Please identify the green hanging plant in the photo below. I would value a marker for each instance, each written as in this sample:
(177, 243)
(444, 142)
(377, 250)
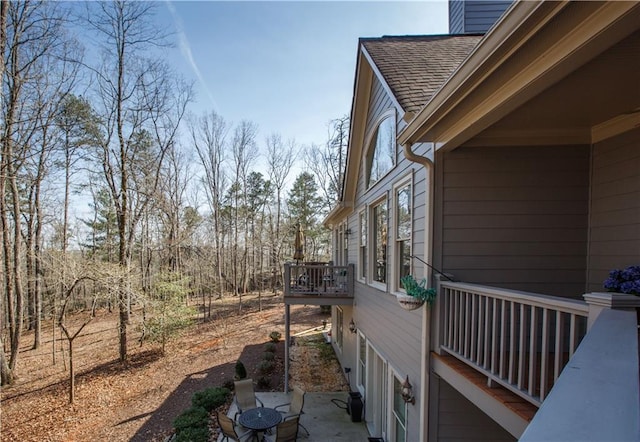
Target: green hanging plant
(417, 289)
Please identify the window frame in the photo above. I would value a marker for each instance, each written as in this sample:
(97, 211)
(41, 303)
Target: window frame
(339, 338)
(372, 254)
(393, 413)
(363, 246)
(371, 144)
(396, 273)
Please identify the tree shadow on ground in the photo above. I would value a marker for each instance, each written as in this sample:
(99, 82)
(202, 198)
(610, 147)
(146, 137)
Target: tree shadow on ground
(161, 420)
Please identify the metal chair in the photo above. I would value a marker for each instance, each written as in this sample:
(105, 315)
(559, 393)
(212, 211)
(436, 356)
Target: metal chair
(286, 431)
(245, 396)
(295, 406)
(229, 429)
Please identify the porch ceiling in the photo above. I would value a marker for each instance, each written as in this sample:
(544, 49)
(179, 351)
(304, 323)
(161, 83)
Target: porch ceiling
(567, 112)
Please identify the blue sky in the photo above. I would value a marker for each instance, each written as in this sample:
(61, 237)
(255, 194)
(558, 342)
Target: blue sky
(287, 66)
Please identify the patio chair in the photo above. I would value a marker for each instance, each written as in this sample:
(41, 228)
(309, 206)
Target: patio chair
(286, 431)
(295, 406)
(229, 429)
(245, 396)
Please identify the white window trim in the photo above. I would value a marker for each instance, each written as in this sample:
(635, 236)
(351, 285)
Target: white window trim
(383, 286)
(394, 280)
(363, 211)
(391, 433)
(360, 385)
(339, 338)
(373, 130)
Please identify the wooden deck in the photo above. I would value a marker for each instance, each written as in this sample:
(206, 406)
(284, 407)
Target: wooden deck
(512, 401)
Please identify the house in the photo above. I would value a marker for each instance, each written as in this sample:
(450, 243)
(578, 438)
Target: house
(504, 169)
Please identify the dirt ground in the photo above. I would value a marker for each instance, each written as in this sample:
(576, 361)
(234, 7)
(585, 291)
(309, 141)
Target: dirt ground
(139, 400)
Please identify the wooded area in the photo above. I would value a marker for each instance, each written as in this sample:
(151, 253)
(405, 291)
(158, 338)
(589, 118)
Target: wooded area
(177, 207)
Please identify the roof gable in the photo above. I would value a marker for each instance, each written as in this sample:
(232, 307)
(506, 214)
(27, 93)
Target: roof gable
(415, 67)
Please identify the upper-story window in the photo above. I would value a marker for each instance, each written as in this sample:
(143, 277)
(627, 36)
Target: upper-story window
(379, 246)
(382, 150)
(362, 245)
(403, 206)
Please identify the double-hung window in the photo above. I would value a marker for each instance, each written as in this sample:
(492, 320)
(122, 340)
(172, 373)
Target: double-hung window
(403, 214)
(362, 225)
(379, 244)
(399, 412)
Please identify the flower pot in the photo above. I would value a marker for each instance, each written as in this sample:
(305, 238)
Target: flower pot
(409, 302)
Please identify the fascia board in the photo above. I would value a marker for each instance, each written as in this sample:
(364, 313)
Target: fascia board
(513, 30)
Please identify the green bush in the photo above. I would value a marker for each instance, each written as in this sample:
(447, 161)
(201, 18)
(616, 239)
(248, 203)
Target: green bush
(210, 398)
(264, 382)
(194, 417)
(268, 356)
(241, 372)
(270, 347)
(266, 367)
(275, 336)
(193, 434)
(228, 384)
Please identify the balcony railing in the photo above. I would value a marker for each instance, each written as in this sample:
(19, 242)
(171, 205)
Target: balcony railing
(317, 283)
(520, 340)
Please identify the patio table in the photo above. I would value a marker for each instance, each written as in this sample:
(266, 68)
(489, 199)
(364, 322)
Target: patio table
(260, 419)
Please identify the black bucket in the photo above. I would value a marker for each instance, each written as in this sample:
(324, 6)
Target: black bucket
(355, 406)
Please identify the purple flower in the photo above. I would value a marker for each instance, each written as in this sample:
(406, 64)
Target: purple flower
(624, 281)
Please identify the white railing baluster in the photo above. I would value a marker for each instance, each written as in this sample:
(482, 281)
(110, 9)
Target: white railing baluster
(572, 336)
(544, 354)
(487, 332)
(456, 330)
(521, 346)
(494, 337)
(474, 335)
(533, 351)
(512, 341)
(558, 360)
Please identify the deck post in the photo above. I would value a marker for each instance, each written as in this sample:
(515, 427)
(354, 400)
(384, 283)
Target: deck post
(287, 339)
(599, 301)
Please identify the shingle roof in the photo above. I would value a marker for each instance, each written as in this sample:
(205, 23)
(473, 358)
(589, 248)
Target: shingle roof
(415, 67)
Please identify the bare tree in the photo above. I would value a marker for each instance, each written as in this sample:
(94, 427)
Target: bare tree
(280, 157)
(328, 162)
(209, 137)
(142, 105)
(32, 41)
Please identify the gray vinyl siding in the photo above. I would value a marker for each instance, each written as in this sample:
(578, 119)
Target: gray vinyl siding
(515, 217)
(396, 334)
(460, 420)
(473, 17)
(614, 231)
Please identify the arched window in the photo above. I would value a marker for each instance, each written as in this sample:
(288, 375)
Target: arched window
(382, 151)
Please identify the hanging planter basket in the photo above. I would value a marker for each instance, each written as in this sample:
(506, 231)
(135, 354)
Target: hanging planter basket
(417, 293)
(409, 302)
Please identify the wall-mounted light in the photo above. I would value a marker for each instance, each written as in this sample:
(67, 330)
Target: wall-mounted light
(347, 232)
(352, 326)
(407, 392)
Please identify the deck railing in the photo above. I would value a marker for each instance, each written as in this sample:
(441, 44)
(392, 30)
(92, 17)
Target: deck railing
(519, 340)
(320, 279)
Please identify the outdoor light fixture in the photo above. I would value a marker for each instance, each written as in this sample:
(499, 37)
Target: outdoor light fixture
(352, 326)
(407, 392)
(347, 232)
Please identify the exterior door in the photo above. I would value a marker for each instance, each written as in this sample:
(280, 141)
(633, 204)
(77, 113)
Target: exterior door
(377, 394)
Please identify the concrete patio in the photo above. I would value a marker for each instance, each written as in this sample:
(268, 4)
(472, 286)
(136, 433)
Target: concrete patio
(325, 420)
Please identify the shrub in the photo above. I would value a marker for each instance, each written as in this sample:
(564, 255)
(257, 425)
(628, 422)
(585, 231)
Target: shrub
(228, 384)
(266, 367)
(270, 347)
(275, 336)
(268, 356)
(194, 417)
(241, 372)
(264, 382)
(193, 434)
(210, 398)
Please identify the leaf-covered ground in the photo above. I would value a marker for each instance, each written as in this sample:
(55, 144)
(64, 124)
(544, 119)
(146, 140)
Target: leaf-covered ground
(139, 400)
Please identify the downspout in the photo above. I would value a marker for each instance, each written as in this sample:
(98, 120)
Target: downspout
(428, 255)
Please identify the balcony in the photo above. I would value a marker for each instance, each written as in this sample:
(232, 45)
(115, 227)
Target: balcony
(318, 283)
(508, 352)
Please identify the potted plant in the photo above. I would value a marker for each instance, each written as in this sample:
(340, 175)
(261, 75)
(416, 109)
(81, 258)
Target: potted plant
(624, 281)
(417, 293)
